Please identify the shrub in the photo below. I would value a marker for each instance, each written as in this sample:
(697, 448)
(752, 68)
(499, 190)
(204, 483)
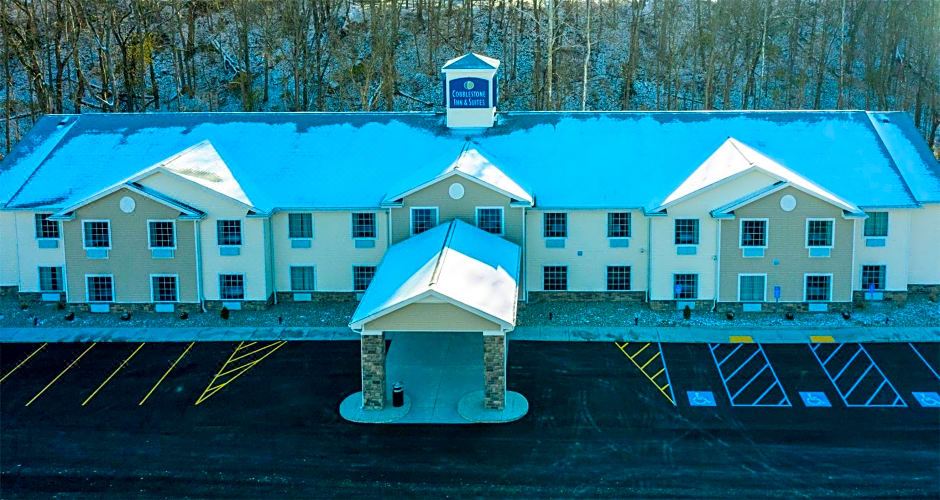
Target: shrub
(60, 306)
(846, 315)
(184, 315)
(686, 312)
(70, 316)
(729, 315)
(24, 306)
(224, 313)
(125, 316)
(789, 315)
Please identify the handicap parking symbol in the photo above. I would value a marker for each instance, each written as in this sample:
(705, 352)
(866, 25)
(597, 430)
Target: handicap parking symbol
(815, 399)
(701, 398)
(927, 399)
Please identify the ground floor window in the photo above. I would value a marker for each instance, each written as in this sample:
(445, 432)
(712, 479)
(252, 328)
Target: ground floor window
(99, 288)
(873, 277)
(232, 286)
(164, 288)
(50, 279)
(818, 287)
(752, 287)
(618, 278)
(362, 276)
(555, 278)
(684, 286)
(301, 278)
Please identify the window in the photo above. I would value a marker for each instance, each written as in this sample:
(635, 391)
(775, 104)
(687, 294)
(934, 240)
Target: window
(819, 233)
(555, 278)
(618, 225)
(686, 231)
(753, 233)
(301, 278)
(46, 228)
(99, 288)
(618, 278)
(363, 225)
(555, 225)
(873, 276)
(232, 286)
(362, 276)
(490, 219)
(163, 288)
(818, 287)
(229, 232)
(423, 219)
(300, 225)
(50, 279)
(685, 286)
(876, 224)
(97, 233)
(752, 287)
(162, 234)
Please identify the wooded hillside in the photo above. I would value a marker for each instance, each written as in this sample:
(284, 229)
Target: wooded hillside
(341, 55)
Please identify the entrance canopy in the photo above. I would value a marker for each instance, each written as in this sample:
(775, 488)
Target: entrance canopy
(455, 277)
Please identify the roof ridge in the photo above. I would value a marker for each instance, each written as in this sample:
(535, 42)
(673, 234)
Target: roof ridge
(443, 253)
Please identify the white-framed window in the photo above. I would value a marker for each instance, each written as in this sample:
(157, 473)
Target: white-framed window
(817, 287)
(96, 233)
(363, 225)
(555, 278)
(752, 287)
(819, 233)
(874, 276)
(164, 288)
(362, 277)
(232, 286)
(302, 279)
(619, 225)
(50, 279)
(161, 233)
(753, 233)
(45, 228)
(422, 219)
(228, 232)
(684, 286)
(555, 225)
(490, 219)
(686, 232)
(618, 278)
(99, 288)
(300, 226)
(876, 225)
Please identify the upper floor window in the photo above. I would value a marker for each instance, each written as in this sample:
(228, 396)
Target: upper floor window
(99, 288)
(50, 279)
(618, 278)
(46, 228)
(300, 225)
(163, 288)
(490, 219)
(686, 232)
(819, 232)
(301, 278)
(162, 234)
(229, 232)
(618, 225)
(684, 286)
(876, 224)
(362, 277)
(753, 233)
(96, 233)
(873, 277)
(363, 225)
(555, 278)
(555, 225)
(422, 219)
(232, 286)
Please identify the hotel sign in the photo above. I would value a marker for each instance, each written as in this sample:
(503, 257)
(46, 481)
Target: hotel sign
(469, 93)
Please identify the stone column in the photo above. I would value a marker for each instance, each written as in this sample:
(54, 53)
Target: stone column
(373, 369)
(494, 370)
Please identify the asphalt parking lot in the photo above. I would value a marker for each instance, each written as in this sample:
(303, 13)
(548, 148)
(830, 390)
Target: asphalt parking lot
(248, 419)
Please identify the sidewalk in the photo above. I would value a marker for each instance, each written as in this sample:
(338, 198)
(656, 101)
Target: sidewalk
(780, 335)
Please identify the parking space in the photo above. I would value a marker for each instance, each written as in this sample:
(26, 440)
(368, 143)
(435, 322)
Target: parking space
(856, 377)
(747, 375)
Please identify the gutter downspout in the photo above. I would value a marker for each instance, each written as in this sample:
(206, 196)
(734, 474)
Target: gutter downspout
(388, 224)
(524, 264)
(852, 272)
(649, 258)
(199, 292)
(272, 275)
(717, 266)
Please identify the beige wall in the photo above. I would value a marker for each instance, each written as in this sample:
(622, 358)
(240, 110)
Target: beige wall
(787, 243)
(431, 318)
(129, 259)
(924, 260)
(894, 255)
(475, 195)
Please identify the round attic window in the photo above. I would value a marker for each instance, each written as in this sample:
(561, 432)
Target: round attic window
(127, 204)
(787, 203)
(455, 190)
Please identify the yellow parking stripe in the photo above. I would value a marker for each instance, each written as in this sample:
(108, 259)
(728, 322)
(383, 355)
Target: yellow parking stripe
(638, 352)
(821, 339)
(90, 396)
(212, 388)
(739, 339)
(652, 379)
(650, 361)
(57, 377)
(21, 363)
(190, 346)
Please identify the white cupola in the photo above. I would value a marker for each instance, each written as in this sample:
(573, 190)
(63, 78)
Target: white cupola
(470, 91)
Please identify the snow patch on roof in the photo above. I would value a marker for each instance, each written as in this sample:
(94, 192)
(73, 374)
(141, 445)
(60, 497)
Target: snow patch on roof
(472, 60)
(913, 158)
(203, 165)
(29, 153)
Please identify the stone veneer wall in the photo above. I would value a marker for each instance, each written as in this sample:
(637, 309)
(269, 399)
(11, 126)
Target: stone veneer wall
(670, 305)
(494, 372)
(373, 371)
(895, 297)
(781, 307)
(633, 296)
(320, 296)
(118, 308)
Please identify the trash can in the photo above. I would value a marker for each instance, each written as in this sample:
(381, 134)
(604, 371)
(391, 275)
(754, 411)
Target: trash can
(398, 395)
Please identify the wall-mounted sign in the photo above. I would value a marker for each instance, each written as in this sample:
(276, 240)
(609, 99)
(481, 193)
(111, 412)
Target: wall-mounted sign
(469, 93)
